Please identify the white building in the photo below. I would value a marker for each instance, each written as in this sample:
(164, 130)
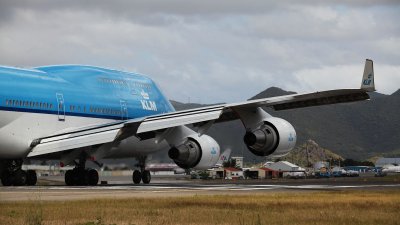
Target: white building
(385, 161)
(239, 161)
(284, 166)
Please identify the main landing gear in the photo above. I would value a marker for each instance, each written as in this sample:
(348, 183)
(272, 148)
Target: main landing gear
(80, 175)
(12, 174)
(142, 174)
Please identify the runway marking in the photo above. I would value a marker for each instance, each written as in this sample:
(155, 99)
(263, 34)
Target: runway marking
(197, 187)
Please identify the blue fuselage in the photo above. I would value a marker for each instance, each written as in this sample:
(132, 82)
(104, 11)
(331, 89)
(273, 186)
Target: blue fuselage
(82, 91)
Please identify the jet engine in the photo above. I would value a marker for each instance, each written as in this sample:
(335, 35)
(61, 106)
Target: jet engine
(274, 136)
(196, 152)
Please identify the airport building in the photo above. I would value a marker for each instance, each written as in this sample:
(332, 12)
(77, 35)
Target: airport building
(227, 173)
(262, 173)
(284, 166)
(239, 161)
(386, 161)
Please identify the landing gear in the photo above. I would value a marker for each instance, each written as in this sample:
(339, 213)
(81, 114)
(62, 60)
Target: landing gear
(19, 178)
(12, 174)
(146, 177)
(31, 178)
(136, 177)
(142, 175)
(80, 175)
(6, 179)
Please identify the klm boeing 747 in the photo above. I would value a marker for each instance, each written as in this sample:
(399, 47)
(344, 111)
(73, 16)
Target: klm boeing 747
(75, 113)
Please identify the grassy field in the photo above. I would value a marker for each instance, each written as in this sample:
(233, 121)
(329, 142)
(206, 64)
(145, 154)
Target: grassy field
(344, 207)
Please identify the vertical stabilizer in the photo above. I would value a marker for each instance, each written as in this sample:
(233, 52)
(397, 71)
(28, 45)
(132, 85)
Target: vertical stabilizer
(368, 82)
(224, 157)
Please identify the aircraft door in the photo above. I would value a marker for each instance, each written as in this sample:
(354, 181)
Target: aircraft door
(124, 110)
(60, 107)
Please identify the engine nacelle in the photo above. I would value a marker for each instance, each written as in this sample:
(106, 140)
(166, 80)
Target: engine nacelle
(275, 136)
(196, 152)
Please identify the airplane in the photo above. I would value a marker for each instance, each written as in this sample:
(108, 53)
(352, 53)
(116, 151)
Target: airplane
(76, 113)
(156, 167)
(224, 157)
(391, 169)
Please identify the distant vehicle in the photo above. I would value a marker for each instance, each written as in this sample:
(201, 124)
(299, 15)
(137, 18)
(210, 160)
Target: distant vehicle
(380, 173)
(352, 173)
(295, 175)
(337, 174)
(322, 174)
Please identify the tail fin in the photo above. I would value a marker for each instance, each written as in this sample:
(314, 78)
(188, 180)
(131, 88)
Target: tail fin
(368, 83)
(224, 157)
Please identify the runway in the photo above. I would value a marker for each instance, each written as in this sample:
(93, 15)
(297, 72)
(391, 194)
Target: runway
(171, 188)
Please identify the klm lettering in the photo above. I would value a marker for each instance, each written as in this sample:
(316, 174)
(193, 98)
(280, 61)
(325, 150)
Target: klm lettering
(149, 105)
(368, 81)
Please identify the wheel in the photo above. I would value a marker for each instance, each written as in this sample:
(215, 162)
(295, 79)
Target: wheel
(69, 180)
(20, 178)
(31, 178)
(80, 176)
(136, 176)
(6, 179)
(92, 177)
(146, 177)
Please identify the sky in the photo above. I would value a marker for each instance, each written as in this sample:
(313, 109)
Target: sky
(211, 51)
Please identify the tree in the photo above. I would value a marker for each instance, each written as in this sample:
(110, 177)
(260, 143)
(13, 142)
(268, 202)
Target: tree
(352, 162)
(230, 163)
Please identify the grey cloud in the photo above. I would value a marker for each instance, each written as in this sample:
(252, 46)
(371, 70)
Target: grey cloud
(209, 52)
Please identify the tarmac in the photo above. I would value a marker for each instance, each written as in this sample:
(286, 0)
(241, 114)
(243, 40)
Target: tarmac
(120, 187)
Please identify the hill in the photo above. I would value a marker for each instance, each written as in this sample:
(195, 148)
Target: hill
(309, 153)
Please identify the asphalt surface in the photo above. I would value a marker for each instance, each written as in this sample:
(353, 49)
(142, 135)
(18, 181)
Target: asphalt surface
(53, 188)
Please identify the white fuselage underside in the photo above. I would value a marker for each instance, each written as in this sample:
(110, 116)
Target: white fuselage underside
(19, 129)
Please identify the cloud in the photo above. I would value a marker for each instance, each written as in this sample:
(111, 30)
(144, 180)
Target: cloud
(347, 76)
(210, 51)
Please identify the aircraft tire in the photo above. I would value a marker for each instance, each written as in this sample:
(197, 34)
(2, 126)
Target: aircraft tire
(6, 179)
(92, 177)
(20, 178)
(69, 180)
(80, 176)
(31, 178)
(136, 177)
(146, 177)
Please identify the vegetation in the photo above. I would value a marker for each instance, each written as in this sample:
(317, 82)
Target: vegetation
(352, 162)
(341, 207)
(308, 153)
(231, 163)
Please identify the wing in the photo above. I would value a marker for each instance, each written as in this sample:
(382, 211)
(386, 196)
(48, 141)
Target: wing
(202, 118)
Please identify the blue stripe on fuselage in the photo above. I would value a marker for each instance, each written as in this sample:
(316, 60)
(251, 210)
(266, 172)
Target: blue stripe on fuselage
(86, 91)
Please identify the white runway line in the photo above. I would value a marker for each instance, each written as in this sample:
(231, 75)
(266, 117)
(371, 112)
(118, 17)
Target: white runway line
(196, 187)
